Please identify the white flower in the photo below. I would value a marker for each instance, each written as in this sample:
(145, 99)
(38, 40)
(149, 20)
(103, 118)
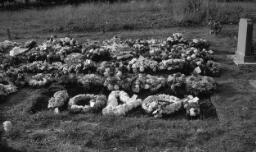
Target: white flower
(128, 103)
(7, 125)
(195, 41)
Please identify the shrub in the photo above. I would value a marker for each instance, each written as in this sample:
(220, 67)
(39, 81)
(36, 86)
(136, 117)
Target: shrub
(189, 11)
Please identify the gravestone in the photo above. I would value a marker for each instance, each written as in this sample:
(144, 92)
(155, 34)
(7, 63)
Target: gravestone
(245, 53)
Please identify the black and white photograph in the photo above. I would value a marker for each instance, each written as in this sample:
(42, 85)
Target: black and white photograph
(127, 75)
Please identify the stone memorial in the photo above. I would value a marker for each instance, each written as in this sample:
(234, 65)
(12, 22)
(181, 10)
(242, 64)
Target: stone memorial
(245, 54)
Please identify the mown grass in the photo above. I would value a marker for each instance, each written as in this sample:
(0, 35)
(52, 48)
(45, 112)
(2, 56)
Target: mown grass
(233, 131)
(132, 15)
(96, 132)
(44, 131)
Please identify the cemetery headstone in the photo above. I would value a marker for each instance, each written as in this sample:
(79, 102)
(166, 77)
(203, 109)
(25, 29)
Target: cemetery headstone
(245, 53)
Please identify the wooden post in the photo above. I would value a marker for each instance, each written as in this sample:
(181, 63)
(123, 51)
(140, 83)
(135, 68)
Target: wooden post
(207, 12)
(9, 34)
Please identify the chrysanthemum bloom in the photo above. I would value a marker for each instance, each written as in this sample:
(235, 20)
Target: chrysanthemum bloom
(7, 125)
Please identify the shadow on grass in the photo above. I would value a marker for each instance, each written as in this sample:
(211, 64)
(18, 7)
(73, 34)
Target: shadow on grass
(4, 146)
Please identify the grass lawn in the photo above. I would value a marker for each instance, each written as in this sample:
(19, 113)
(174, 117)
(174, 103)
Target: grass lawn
(99, 17)
(233, 129)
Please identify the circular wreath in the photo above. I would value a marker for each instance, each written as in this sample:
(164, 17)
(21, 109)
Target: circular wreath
(158, 105)
(6, 86)
(87, 103)
(6, 89)
(39, 80)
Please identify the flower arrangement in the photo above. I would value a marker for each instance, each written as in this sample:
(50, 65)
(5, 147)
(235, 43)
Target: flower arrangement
(176, 82)
(55, 49)
(199, 43)
(13, 72)
(113, 73)
(36, 67)
(115, 44)
(58, 100)
(175, 38)
(141, 46)
(128, 103)
(205, 54)
(191, 105)
(6, 89)
(87, 103)
(162, 104)
(74, 58)
(113, 83)
(6, 86)
(200, 85)
(90, 81)
(172, 65)
(35, 54)
(212, 68)
(144, 67)
(67, 41)
(141, 65)
(7, 126)
(40, 80)
(148, 83)
(89, 66)
(111, 68)
(123, 54)
(72, 68)
(17, 50)
(98, 54)
(158, 53)
(7, 45)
